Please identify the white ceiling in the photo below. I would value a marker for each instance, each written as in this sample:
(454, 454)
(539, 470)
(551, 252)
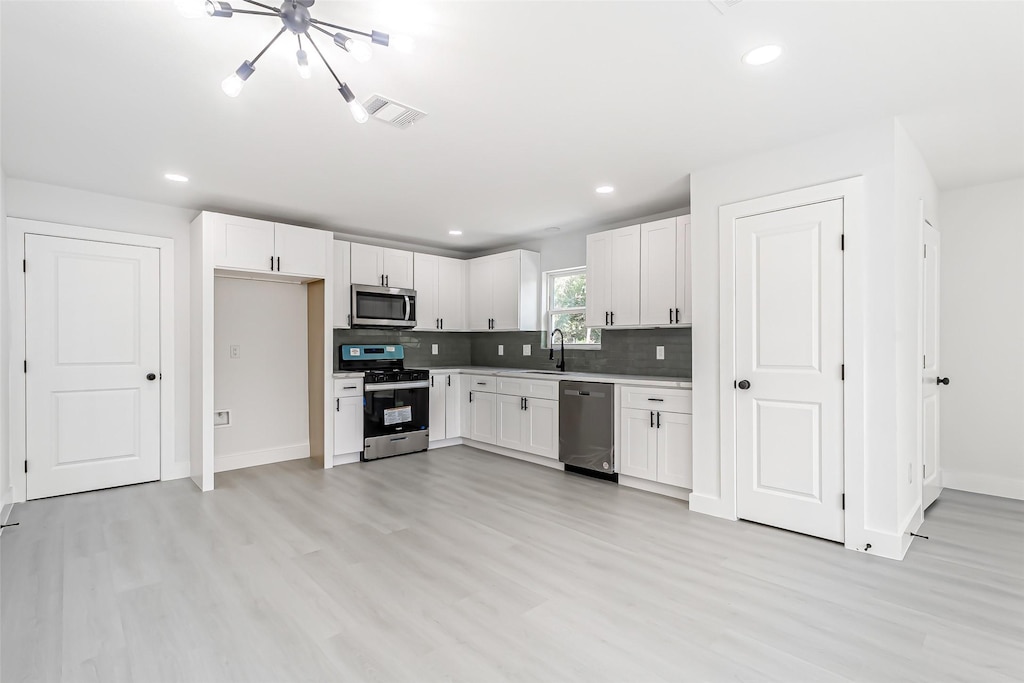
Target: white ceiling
(531, 105)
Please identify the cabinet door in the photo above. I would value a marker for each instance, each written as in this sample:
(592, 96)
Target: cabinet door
(438, 406)
(399, 269)
(684, 295)
(367, 265)
(483, 417)
(453, 406)
(511, 422)
(348, 425)
(427, 317)
(342, 284)
(506, 290)
(300, 251)
(540, 433)
(451, 293)
(599, 278)
(242, 243)
(466, 412)
(481, 284)
(639, 452)
(625, 294)
(658, 258)
(675, 450)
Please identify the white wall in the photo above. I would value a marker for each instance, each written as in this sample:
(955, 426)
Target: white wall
(982, 338)
(266, 387)
(917, 198)
(869, 152)
(36, 201)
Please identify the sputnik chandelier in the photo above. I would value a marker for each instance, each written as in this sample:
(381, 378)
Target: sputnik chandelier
(296, 18)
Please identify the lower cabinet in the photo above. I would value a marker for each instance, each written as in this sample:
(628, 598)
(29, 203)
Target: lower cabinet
(348, 425)
(656, 444)
(445, 407)
(540, 428)
(483, 420)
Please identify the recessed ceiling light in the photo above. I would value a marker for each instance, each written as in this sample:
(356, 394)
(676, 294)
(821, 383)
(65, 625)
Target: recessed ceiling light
(762, 55)
(176, 177)
(553, 228)
(605, 189)
(454, 233)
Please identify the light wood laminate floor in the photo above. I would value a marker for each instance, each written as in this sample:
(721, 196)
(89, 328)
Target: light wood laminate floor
(465, 566)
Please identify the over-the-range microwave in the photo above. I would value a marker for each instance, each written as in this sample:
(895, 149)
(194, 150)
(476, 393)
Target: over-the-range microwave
(383, 306)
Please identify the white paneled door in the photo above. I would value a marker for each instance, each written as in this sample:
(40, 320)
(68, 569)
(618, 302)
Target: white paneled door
(931, 376)
(92, 338)
(789, 356)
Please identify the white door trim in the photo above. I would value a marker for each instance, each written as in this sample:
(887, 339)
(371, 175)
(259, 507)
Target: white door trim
(17, 229)
(851, 191)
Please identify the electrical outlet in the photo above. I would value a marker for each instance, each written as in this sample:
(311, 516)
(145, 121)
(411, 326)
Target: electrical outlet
(433, 349)
(527, 349)
(659, 352)
(501, 349)
(221, 418)
(235, 351)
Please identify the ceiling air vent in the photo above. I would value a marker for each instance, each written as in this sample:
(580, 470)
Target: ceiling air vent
(392, 113)
(724, 6)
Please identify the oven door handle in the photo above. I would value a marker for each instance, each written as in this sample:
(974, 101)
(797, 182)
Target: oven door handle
(392, 386)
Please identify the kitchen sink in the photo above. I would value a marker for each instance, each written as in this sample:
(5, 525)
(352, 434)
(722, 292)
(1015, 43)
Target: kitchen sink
(536, 372)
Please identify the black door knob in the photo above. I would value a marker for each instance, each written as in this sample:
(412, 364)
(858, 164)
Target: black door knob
(743, 384)
(942, 380)
(151, 377)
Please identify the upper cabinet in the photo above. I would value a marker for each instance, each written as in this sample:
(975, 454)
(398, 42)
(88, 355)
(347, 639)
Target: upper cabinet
(440, 293)
(342, 284)
(639, 276)
(613, 278)
(504, 291)
(261, 246)
(382, 267)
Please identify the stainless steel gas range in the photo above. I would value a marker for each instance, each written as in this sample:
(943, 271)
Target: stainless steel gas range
(396, 400)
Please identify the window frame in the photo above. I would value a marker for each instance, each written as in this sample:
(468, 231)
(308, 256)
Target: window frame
(549, 311)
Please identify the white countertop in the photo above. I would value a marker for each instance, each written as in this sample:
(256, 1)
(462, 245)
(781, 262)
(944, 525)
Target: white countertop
(640, 380)
(348, 375)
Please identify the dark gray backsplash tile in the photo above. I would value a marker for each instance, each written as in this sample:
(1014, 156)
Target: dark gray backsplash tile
(623, 352)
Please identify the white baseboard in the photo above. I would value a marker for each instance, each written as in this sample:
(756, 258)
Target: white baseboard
(177, 470)
(444, 443)
(654, 487)
(235, 461)
(518, 455)
(987, 484)
(346, 459)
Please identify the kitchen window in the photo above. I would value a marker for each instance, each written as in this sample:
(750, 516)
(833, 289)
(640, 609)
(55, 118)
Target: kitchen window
(565, 297)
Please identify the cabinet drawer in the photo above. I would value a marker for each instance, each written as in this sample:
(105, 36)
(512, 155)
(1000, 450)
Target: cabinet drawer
(348, 387)
(481, 383)
(529, 388)
(654, 398)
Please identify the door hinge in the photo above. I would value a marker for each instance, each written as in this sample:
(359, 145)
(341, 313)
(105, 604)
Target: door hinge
(924, 471)
(843, 501)
(26, 366)
(842, 372)
(24, 265)
(926, 251)
(26, 467)
(842, 242)
(924, 361)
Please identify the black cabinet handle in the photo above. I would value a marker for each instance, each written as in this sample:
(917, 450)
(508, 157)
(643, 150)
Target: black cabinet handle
(942, 380)
(442, 323)
(659, 400)
(152, 376)
(471, 397)
(279, 264)
(652, 418)
(387, 280)
(449, 380)
(482, 384)
(337, 405)
(613, 317)
(743, 384)
(659, 421)
(606, 317)
(350, 387)
(271, 262)
(437, 323)
(670, 316)
(526, 404)
(431, 381)
(677, 316)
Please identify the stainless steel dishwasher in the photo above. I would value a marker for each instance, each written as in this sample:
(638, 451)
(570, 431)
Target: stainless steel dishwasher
(586, 427)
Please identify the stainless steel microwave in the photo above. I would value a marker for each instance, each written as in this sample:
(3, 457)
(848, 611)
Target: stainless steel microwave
(383, 306)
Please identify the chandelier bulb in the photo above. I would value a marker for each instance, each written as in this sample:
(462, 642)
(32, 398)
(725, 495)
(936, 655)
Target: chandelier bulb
(359, 112)
(360, 51)
(303, 64)
(232, 85)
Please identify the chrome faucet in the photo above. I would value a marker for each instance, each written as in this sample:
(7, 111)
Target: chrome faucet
(560, 365)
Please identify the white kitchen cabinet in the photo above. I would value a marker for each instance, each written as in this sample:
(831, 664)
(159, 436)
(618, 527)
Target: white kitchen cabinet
(613, 278)
(382, 267)
(438, 407)
(540, 431)
(440, 292)
(655, 437)
(665, 272)
(504, 291)
(453, 407)
(348, 424)
(526, 423)
(511, 422)
(342, 284)
(300, 251)
(483, 416)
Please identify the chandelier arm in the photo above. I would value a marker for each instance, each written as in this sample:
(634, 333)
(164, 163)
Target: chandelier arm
(323, 31)
(249, 11)
(341, 28)
(272, 41)
(324, 60)
(260, 4)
